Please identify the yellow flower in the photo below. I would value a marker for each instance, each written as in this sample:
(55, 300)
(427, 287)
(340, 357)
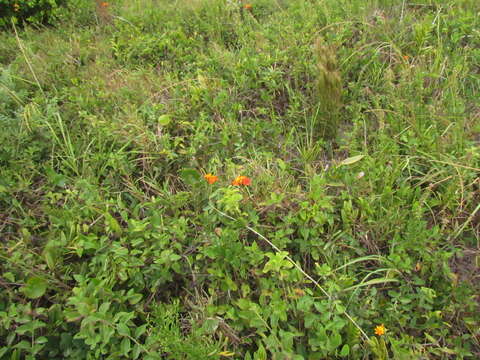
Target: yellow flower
(380, 330)
(16, 7)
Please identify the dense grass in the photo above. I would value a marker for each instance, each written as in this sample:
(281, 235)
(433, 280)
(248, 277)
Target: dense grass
(357, 122)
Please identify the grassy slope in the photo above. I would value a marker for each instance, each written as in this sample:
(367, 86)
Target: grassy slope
(113, 246)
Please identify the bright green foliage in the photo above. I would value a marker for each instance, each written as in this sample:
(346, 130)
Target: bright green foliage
(32, 11)
(357, 123)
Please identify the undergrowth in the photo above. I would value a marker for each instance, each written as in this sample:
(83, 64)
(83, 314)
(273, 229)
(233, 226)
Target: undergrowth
(350, 130)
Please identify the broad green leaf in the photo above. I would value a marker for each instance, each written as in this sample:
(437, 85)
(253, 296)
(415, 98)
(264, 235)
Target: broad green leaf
(30, 327)
(123, 329)
(335, 341)
(35, 287)
(136, 352)
(22, 345)
(41, 340)
(125, 346)
(311, 319)
(50, 254)
(134, 299)
(345, 350)
(164, 120)
(139, 331)
(190, 176)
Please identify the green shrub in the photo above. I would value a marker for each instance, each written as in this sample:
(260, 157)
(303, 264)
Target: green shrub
(33, 11)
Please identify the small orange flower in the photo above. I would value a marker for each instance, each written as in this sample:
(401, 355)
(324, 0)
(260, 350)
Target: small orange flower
(211, 179)
(406, 57)
(248, 7)
(104, 4)
(242, 180)
(380, 330)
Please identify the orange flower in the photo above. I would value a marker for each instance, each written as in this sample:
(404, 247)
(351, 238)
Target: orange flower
(104, 4)
(248, 7)
(380, 330)
(406, 57)
(242, 180)
(211, 179)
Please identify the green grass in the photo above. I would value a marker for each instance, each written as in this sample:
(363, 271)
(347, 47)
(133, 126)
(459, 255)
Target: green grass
(358, 124)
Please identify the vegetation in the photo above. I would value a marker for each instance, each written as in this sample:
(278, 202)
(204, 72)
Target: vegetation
(21, 11)
(286, 179)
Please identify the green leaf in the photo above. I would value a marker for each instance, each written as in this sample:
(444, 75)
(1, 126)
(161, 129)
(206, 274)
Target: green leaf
(277, 262)
(134, 299)
(164, 120)
(30, 327)
(190, 176)
(210, 325)
(351, 160)
(335, 341)
(371, 282)
(139, 331)
(345, 350)
(125, 346)
(123, 329)
(49, 253)
(35, 287)
(448, 351)
(311, 319)
(260, 354)
(175, 257)
(136, 352)
(340, 308)
(41, 340)
(23, 345)
(113, 224)
(9, 276)
(305, 303)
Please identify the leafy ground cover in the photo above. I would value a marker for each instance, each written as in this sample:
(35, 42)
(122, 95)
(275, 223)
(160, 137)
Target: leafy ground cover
(213, 179)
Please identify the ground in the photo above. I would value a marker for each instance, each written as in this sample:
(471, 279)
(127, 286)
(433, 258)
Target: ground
(283, 179)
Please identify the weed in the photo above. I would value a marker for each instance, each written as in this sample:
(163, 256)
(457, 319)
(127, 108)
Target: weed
(262, 180)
